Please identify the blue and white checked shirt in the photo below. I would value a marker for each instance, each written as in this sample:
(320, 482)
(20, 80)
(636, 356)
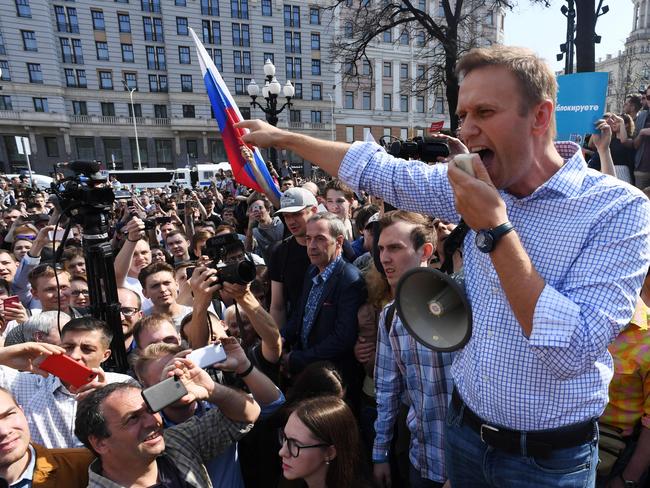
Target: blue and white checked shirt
(312, 300)
(587, 235)
(403, 364)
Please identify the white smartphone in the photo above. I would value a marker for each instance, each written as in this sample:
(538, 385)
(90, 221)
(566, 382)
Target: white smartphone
(58, 236)
(464, 163)
(208, 355)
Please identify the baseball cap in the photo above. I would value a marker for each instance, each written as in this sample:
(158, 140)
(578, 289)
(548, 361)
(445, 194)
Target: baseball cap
(296, 199)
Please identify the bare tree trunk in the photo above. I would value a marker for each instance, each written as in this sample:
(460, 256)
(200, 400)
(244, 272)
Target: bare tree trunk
(585, 36)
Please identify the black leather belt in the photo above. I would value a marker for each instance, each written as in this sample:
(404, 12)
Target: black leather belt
(538, 443)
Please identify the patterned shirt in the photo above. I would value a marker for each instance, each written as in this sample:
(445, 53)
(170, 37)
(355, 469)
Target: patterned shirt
(587, 235)
(629, 391)
(314, 297)
(403, 364)
(48, 405)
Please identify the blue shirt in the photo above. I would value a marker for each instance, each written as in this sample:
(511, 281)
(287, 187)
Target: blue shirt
(314, 297)
(405, 365)
(587, 235)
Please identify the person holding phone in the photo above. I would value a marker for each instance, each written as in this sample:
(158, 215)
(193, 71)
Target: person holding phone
(50, 403)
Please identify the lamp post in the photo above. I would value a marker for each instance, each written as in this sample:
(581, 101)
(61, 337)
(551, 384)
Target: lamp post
(270, 92)
(135, 126)
(332, 107)
(567, 48)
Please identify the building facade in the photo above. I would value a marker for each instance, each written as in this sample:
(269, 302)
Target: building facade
(66, 66)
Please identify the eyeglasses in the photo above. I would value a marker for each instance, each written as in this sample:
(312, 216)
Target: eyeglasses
(76, 293)
(128, 311)
(293, 446)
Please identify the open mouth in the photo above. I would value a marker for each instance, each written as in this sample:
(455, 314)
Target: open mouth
(486, 155)
(152, 437)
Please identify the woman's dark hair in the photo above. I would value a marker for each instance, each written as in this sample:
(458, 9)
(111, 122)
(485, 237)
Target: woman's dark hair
(331, 421)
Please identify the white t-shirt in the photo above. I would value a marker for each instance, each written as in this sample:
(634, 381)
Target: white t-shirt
(134, 284)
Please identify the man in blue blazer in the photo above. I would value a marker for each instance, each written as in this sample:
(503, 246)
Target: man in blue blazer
(324, 326)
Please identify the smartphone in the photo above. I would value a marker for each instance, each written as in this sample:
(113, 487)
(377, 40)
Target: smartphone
(129, 202)
(208, 355)
(180, 206)
(163, 394)
(163, 220)
(12, 301)
(58, 236)
(189, 271)
(68, 370)
(464, 163)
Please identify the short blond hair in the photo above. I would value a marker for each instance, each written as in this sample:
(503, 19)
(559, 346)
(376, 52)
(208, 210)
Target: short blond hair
(152, 352)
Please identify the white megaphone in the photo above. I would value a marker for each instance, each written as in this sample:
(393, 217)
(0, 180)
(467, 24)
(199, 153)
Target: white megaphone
(434, 308)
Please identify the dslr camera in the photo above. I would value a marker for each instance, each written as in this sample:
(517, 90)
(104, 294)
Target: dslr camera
(216, 248)
(427, 149)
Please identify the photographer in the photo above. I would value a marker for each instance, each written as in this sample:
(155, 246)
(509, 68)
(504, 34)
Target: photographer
(132, 258)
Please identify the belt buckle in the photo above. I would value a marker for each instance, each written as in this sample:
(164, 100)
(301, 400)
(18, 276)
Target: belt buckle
(488, 427)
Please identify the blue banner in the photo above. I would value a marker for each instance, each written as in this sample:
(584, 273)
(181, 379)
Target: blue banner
(580, 103)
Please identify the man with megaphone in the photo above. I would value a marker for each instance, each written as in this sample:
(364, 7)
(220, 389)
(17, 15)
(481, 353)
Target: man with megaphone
(553, 262)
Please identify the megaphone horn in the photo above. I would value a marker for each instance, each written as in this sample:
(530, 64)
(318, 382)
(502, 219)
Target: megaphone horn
(434, 308)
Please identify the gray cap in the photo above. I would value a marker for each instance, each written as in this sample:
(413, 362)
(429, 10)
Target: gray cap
(295, 200)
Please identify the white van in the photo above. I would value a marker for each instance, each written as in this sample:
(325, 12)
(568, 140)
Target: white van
(153, 177)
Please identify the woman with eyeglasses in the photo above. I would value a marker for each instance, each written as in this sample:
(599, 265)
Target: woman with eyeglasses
(320, 444)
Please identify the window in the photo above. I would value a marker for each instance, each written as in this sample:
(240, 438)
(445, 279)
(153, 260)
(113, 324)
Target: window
(66, 50)
(77, 52)
(137, 108)
(239, 9)
(349, 99)
(295, 116)
(156, 57)
(188, 111)
(240, 85)
(292, 43)
(348, 30)
(66, 19)
(40, 104)
(349, 134)
(181, 26)
(180, 3)
(150, 6)
(211, 32)
(266, 8)
(298, 94)
(241, 35)
(404, 38)
(314, 15)
(108, 109)
(315, 41)
(81, 78)
(291, 16)
(387, 36)
(419, 39)
(127, 53)
(144, 152)
(316, 117)
(192, 147)
(186, 83)
(242, 61)
(403, 133)
(2, 45)
(158, 83)
(73, 21)
(217, 58)
(79, 107)
(422, 5)
(131, 80)
(267, 34)
(489, 18)
(85, 148)
(365, 67)
(102, 51)
(6, 74)
(419, 72)
(70, 79)
(293, 67)
(403, 71)
(35, 73)
(160, 111)
(22, 8)
(404, 103)
(209, 7)
(51, 147)
(419, 104)
(164, 152)
(366, 100)
(245, 113)
(105, 80)
(98, 20)
(441, 9)
(184, 55)
(388, 102)
(75, 78)
(439, 107)
(316, 91)
(29, 41)
(5, 102)
(315, 67)
(153, 29)
(388, 70)
(125, 22)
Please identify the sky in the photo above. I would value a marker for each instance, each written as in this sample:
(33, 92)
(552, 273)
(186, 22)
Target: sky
(544, 29)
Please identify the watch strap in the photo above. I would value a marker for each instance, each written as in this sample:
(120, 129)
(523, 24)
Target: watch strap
(500, 230)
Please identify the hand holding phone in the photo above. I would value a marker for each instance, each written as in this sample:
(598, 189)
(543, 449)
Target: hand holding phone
(56, 237)
(163, 394)
(68, 370)
(208, 355)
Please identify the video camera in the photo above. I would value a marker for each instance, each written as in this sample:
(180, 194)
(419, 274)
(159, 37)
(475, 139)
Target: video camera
(427, 149)
(217, 247)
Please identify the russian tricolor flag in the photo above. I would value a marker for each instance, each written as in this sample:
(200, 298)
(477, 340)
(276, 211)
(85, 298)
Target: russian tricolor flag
(252, 174)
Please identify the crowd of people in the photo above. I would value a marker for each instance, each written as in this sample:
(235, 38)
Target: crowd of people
(322, 385)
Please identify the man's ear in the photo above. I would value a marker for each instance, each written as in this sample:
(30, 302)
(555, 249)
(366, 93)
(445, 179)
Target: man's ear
(107, 354)
(339, 241)
(99, 445)
(426, 252)
(544, 113)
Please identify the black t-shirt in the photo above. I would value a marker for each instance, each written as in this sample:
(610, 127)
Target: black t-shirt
(288, 265)
(168, 475)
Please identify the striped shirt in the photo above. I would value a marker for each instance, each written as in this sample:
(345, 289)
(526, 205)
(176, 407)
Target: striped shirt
(405, 365)
(587, 235)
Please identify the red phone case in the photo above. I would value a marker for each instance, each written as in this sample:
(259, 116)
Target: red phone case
(11, 301)
(68, 370)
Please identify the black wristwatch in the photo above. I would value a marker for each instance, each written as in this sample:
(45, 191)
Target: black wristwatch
(628, 483)
(486, 239)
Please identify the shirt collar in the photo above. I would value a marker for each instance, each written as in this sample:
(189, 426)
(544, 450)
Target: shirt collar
(327, 272)
(567, 181)
(28, 474)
